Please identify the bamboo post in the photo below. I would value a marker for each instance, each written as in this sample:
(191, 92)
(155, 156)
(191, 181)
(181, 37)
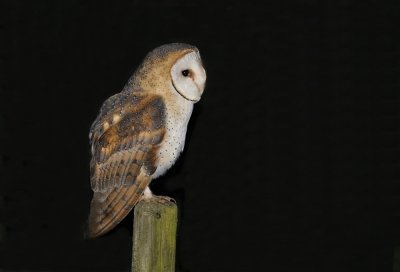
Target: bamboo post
(154, 236)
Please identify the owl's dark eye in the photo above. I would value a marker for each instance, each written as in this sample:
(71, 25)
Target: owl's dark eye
(186, 73)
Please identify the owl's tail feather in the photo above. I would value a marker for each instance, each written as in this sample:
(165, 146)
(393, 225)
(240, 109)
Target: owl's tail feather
(109, 208)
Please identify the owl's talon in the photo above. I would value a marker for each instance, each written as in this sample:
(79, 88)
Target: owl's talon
(163, 199)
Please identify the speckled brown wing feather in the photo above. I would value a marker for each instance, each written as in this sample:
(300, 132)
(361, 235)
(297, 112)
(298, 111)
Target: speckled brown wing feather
(125, 139)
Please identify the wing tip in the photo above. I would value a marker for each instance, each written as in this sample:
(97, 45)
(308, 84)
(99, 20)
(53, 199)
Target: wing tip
(93, 231)
(90, 232)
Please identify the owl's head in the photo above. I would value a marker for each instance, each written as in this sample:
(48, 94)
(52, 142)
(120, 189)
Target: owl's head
(177, 66)
(188, 76)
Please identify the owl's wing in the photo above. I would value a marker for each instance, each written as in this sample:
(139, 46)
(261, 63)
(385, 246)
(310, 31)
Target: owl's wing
(125, 139)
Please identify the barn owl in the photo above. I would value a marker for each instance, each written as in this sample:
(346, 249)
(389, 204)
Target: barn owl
(140, 132)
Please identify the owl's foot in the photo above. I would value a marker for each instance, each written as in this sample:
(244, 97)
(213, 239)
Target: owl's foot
(163, 199)
(148, 196)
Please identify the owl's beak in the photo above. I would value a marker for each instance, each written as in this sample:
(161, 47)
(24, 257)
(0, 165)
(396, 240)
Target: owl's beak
(200, 88)
(201, 83)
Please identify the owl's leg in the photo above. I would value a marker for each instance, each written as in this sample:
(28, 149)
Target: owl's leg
(147, 194)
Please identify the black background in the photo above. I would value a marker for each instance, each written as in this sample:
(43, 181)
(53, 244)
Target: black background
(292, 158)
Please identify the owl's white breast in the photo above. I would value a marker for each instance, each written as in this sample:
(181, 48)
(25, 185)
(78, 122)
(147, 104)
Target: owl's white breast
(178, 112)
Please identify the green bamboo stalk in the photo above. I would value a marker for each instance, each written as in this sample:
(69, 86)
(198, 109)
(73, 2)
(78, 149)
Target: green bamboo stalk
(154, 236)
